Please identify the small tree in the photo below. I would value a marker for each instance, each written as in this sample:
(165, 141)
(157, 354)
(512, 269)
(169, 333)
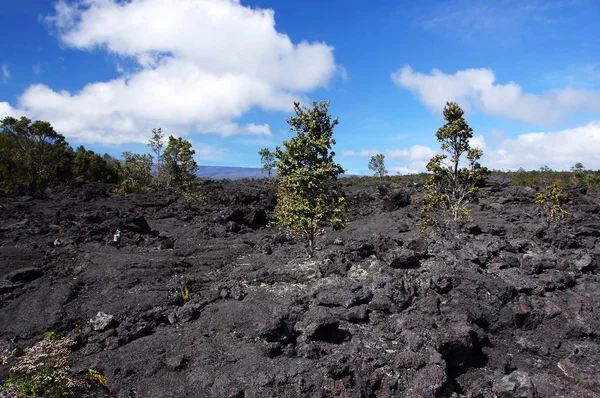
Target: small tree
(377, 165)
(267, 158)
(450, 186)
(156, 143)
(306, 172)
(136, 174)
(179, 164)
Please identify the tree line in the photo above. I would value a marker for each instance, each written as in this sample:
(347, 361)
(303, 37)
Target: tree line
(33, 155)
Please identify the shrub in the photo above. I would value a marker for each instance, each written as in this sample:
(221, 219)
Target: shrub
(553, 201)
(43, 371)
(136, 174)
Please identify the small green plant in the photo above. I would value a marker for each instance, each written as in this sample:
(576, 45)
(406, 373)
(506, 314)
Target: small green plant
(96, 377)
(184, 293)
(553, 201)
(192, 191)
(377, 165)
(424, 224)
(451, 187)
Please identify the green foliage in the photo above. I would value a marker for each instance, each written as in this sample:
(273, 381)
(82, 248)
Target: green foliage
(451, 187)
(180, 167)
(377, 165)
(306, 172)
(586, 178)
(552, 201)
(396, 180)
(89, 166)
(136, 174)
(97, 378)
(578, 176)
(267, 159)
(184, 293)
(34, 153)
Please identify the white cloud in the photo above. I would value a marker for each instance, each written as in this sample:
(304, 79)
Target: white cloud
(364, 153)
(560, 150)
(414, 153)
(411, 168)
(5, 73)
(478, 141)
(477, 88)
(227, 129)
(7, 110)
(200, 63)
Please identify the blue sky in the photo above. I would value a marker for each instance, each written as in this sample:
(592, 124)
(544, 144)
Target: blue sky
(224, 74)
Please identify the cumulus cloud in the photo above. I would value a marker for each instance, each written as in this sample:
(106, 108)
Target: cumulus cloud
(478, 141)
(559, 150)
(7, 110)
(227, 129)
(414, 153)
(199, 63)
(5, 73)
(364, 153)
(477, 88)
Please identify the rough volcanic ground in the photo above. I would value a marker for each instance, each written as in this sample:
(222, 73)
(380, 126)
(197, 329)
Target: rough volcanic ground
(505, 305)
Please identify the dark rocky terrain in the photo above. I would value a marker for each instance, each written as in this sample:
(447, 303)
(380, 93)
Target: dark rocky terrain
(505, 305)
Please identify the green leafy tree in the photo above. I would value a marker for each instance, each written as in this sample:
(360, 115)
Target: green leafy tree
(113, 167)
(377, 165)
(136, 174)
(451, 187)
(306, 172)
(33, 152)
(267, 159)
(179, 164)
(90, 166)
(156, 143)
